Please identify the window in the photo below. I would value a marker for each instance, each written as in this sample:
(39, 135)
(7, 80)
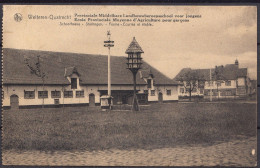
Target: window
(55, 94)
(42, 94)
(222, 93)
(149, 82)
(194, 90)
(145, 91)
(209, 93)
(80, 93)
(228, 93)
(201, 91)
(215, 93)
(169, 92)
(218, 83)
(56, 101)
(68, 94)
(29, 94)
(182, 90)
(228, 83)
(152, 92)
(201, 84)
(73, 83)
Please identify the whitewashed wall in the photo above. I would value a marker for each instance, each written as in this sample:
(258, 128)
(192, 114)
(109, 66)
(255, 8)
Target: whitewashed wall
(19, 91)
(88, 89)
(223, 85)
(241, 81)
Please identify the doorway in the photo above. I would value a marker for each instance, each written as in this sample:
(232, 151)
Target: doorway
(14, 101)
(91, 100)
(160, 97)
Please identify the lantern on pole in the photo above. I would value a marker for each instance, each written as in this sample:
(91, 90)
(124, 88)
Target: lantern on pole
(134, 62)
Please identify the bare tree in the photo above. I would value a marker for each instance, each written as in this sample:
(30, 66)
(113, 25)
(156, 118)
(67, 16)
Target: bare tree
(36, 70)
(219, 77)
(191, 81)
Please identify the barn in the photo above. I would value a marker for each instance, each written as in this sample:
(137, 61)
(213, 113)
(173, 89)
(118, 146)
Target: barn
(73, 79)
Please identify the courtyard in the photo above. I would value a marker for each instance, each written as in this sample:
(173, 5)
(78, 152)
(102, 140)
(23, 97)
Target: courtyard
(181, 134)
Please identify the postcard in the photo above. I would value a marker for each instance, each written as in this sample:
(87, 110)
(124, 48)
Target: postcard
(129, 85)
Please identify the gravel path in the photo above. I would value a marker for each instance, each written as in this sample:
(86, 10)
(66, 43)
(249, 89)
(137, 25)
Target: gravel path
(234, 153)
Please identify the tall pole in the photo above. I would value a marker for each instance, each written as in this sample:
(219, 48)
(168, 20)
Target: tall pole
(109, 44)
(210, 85)
(109, 74)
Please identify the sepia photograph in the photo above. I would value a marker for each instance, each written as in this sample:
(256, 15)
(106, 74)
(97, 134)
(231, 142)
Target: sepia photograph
(133, 85)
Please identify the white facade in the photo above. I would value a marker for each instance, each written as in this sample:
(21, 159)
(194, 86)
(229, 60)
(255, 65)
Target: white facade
(155, 90)
(229, 85)
(19, 90)
(241, 81)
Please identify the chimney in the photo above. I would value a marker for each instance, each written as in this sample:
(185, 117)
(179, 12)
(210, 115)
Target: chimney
(236, 63)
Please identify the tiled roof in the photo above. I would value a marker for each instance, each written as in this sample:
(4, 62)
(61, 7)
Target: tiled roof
(134, 47)
(92, 69)
(228, 72)
(70, 70)
(242, 72)
(146, 73)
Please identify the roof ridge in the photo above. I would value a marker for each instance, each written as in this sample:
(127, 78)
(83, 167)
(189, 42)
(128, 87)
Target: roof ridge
(61, 52)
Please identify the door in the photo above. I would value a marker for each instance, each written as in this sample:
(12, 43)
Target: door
(160, 97)
(14, 102)
(91, 100)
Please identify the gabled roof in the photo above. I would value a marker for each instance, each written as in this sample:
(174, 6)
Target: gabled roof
(242, 72)
(71, 70)
(92, 68)
(227, 72)
(201, 73)
(134, 47)
(146, 73)
(158, 77)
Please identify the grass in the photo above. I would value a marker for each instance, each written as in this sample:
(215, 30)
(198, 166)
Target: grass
(161, 125)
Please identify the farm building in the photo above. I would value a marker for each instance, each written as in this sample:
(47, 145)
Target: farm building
(229, 81)
(77, 79)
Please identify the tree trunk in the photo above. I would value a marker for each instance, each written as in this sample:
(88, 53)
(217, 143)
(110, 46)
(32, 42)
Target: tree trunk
(43, 92)
(217, 92)
(190, 93)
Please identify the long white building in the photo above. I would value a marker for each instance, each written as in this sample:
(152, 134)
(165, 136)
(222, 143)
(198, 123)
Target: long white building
(77, 79)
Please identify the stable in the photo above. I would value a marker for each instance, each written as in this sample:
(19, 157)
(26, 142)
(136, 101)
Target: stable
(73, 79)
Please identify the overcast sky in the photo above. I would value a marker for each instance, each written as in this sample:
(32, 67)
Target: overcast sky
(220, 36)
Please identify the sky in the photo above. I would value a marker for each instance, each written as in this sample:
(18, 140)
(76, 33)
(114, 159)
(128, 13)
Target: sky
(222, 35)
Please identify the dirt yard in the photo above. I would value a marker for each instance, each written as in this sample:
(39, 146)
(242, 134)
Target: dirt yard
(233, 153)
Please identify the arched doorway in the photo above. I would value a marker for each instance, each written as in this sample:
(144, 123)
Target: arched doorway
(14, 102)
(160, 97)
(91, 100)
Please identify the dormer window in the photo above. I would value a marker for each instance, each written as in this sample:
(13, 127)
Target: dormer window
(149, 83)
(74, 83)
